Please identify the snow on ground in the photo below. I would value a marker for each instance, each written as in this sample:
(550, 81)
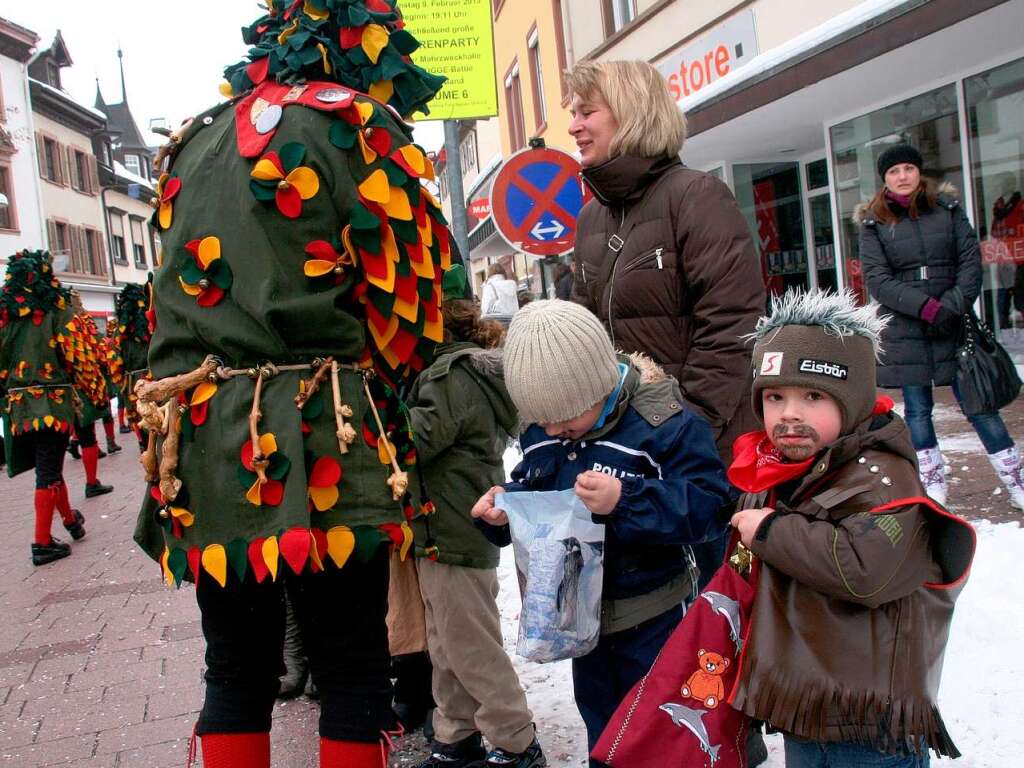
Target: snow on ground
(982, 693)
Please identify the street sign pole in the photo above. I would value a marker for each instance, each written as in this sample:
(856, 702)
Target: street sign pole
(453, 167)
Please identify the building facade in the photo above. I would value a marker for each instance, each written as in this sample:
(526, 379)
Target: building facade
(21, 223)
(792, 110)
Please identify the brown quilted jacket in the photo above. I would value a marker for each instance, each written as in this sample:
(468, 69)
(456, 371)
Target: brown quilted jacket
(855, 598)
(685, 285)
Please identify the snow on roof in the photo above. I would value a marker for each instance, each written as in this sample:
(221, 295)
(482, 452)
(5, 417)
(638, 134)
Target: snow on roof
(132, 178)
(67, 97)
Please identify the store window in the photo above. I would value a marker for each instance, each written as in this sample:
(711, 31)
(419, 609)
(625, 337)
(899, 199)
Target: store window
(928, 121)
(995, 119)
(769, 197)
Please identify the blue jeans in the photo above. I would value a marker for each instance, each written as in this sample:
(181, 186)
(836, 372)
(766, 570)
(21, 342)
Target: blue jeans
(843, 754)
(917, 413)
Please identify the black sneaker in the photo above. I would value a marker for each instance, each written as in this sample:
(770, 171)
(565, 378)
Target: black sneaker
(100, 453)
(77, 528)
(124, 429)
(97, 489)
(531, 757)
(462, 754)
(47, 553)
(112, 447)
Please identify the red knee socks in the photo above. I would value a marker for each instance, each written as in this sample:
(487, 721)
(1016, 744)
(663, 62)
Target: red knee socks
(90, 458)
(108, 428)
(45, 500)
(60, 493)
(236, 750)
(120, 416)
(351, 754)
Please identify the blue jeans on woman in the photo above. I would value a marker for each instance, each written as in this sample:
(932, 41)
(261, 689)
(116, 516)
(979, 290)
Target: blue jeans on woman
(844, 754)
(917, 413)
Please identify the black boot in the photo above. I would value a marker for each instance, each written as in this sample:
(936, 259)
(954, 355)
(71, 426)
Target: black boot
(100, 453)
(47, 553)
(757, 750)
(112, 447)
(124, 429)
(296, 665)
(413, 695)
(73, 450)
(97, 489)
(462, 754)
(77, 528)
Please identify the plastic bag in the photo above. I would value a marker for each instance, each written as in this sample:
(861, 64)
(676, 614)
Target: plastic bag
(559, 555)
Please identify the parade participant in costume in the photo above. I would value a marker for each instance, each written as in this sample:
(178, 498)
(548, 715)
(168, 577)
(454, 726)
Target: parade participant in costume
(300, 288)
(46, 365)
(131, 338)
(859, 569)
(114, 373)
(95, 403)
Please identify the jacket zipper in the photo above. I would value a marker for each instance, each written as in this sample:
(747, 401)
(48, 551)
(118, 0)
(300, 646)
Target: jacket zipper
(643, 259)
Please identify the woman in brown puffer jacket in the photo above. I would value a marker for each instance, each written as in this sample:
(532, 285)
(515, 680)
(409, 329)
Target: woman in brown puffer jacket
(663, 255)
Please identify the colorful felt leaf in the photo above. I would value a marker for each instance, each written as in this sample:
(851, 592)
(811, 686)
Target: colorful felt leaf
(340, 544)
(326, 471)
(295, 544)
(375, 39)
(237, 550)
(407, 540)
(271, 554)
(292, 155)
(168, 576)
(268, 168)
(256, 561)
(194, 557)
(305, 181)
(165, 215)
(254, 495)
(397, 205)
(375, 187)
(203, 392)
(177, 562)
(268, 443)
(289, 201)
(209, 251)
(414, 159)
(272, 493)
(323, 498)
(382, 90)
(318, 551)
(215, 562)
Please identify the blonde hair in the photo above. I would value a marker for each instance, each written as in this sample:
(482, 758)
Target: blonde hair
(650, 122)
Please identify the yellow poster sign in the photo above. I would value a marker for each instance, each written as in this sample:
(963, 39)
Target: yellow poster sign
(456, 40)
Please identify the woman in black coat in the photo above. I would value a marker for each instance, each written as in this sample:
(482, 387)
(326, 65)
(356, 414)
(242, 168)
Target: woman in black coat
(921, 262)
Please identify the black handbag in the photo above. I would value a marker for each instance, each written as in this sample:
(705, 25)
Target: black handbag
(986, 377)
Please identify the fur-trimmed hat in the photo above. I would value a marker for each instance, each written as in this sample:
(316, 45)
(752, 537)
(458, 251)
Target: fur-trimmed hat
(824, 341)
(901, 153)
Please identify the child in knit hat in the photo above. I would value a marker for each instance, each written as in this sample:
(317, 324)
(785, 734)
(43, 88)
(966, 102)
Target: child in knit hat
(859, 570)
(617, 430)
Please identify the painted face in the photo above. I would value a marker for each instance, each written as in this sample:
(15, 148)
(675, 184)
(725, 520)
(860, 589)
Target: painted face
(800, 421)
(903, 178)
(574, 429)
(593, 127)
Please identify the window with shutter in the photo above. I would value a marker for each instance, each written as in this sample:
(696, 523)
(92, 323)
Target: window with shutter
(72, 175)
(138, 242)
(41, 155)
(51, 234)
(75, 246)
(117, 244)
(94, 177)
(62, 165)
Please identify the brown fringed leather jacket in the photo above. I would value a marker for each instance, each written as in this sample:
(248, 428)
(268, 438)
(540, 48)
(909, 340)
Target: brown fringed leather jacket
(859, 575)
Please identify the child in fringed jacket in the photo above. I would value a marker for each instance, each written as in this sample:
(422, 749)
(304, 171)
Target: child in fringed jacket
(860, 570)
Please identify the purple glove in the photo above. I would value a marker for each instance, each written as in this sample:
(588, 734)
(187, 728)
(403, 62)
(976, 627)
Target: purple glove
(930, 310)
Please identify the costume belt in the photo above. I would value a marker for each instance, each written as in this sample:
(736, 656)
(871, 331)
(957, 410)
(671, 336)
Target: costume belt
(160, 416)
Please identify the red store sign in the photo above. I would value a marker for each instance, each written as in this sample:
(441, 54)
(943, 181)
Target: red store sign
(730, 45)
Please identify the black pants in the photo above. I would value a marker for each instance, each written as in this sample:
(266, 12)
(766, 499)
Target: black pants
(341, 616)
(86, 435)
(48, 446)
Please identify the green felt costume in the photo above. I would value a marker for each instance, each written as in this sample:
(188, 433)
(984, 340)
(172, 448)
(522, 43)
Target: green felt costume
(295, 228)
(49, 363)
(129, 354)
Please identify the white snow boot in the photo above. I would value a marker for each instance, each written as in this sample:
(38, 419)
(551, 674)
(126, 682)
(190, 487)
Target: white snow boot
(1007, 465)
(932, 470)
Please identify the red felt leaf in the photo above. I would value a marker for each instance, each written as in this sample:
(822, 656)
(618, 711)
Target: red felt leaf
(275, 159)
(194, 556)
(399, 159)
(257, 70)
(198, 413)
(379, 140)
(405, 288)
(176, 530)
(154, 491)
(368, 437)
(294, 546)
(420, 212)
(289, 202)
(351, 37)
(246, 454)
(211, 296)
(192, 246)
(259, 567)
(326, 472)
(272, 493)
(374, 265)
(393, 532)
(321, 249)
(320, 540)
(171, 189)
(306, 429)
(404, 344)
(378, 6)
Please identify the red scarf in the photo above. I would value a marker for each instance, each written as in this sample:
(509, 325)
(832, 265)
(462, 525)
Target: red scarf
(758, 465)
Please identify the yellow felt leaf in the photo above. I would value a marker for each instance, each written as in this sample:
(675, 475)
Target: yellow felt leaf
(209, 251)
(166, 211)
(271, 554)
(324, 498)
(318, 267)
(203, 392)
(291, 30)
(426, 235)
(406, 542)
(350, 249)
(317, 14)
(434, 330)
(305, 181)
(390, 356)
(384, 450)
(253, 495)
(264, 170)
(168, 576)
(397, 205)
(430, 198)
(268, 443)
(391, 245)
(323, 55)
(369, 156)
(183, 516)
(425, 266)
(383, 339)
(429, 173)
(414, 157)
(382, 91)
(376, 188)
(365, 110)
(375, 40)
(48, 420)
(215, 561)
(225, 90)
(340, 543)
(406, 310)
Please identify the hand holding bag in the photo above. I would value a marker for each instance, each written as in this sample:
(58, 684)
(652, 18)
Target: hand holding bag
(986, 378)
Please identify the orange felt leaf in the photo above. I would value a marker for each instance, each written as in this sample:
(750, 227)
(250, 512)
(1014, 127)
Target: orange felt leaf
(305, 181)
(166, 213)
(318, 267)
(168, 576)
(369, 156)
(323, 498)
(375, 40)
(385, 452)
(268, 443)
(191, 290)
(365, 111)
(415, 158)
(215, 562)
(397, 205)
(203, 392)
(271, 553)
(376, 188)
(254, 495)
(382, 90)
(266, 170)
(407, 539)
(340, 543)
(209, 251)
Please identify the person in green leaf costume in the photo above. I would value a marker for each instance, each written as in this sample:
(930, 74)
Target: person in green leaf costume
(299, 292)
(130, 338)
(47, 368)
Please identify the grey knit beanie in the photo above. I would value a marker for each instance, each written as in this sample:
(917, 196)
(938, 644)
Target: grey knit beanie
(559, 361)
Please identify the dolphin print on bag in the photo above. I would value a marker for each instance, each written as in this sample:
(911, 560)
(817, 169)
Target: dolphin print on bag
(678, 713)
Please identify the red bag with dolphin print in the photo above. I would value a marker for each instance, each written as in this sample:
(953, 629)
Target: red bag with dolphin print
(678, 713)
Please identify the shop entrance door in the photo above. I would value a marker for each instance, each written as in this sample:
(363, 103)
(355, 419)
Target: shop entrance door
(769, 197)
